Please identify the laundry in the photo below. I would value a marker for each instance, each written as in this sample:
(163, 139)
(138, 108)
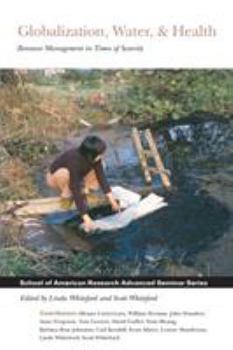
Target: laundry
(134, 208)
(125, 197)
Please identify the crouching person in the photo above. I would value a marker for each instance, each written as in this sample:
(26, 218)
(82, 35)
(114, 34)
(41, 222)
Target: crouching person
(77, 171)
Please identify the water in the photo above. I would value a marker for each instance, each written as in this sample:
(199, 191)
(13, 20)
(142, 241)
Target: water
(190, 236)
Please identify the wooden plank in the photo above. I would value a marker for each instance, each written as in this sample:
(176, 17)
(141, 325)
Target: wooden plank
(43, 206)
(153, 170)
(158, 161)
(141, 155)
(148, 153)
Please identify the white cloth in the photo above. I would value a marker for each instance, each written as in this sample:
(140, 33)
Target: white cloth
(135, 209)
(125, 197)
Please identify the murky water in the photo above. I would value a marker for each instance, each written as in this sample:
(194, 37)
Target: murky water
(193, 234)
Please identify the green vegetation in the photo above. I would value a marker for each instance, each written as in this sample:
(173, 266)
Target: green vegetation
(151, 96)
(45, 108)
(165, 95)
(20, 261)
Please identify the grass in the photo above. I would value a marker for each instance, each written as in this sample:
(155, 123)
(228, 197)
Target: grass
(31, 119)
(15, 177)
(35, 114)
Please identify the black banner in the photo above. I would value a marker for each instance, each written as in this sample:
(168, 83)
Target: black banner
(116, 282)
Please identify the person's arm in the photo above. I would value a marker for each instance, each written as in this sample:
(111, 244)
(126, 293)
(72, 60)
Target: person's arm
(101, 177)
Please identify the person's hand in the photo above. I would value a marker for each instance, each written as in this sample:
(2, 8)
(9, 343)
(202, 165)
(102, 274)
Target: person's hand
(115, 206)
(114, 203)
(88, 225)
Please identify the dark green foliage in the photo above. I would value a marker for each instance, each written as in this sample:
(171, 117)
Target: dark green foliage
(162, 95)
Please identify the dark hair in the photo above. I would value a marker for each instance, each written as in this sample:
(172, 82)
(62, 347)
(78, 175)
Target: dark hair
(91, 147)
